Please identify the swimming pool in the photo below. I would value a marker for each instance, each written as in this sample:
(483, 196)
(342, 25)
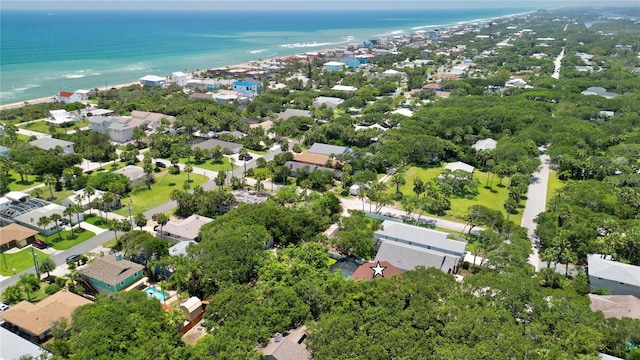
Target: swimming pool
(156, 293)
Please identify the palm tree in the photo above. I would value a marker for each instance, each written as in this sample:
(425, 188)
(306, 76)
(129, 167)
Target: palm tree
(188, 169)
(77, 209)
(162, 220)
(107, 198)
(68, 212)
(49, 180)
(114, 225)
(47, 265)
(398, 180)
(42, 223)
(55, 218)
(140, 220)
(29, 283)
(418, 186)
(68, 175)
(89, 191)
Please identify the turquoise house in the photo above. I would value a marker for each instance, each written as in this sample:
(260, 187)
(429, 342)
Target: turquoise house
(111, 274)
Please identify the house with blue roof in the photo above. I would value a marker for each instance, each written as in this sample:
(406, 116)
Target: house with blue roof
(247, 88)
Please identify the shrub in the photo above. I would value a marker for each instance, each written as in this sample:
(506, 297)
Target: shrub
(52, 289)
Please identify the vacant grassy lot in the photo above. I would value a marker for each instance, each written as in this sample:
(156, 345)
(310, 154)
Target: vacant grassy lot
(492, 198)
(45, 193)
(142, 199)
(223, 165)
(553, 185)
(19, 261)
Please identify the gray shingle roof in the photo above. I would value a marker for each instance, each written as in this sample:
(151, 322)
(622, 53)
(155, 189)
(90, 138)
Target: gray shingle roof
(613, 270)
(485, 144)
(421, 237)
(49, 143)
(109, 270)
(409, 257)
(287, 113)
(326, 149)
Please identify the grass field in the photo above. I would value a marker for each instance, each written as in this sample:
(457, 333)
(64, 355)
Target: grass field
(96, 220)
(19, 261)
(15, 184)
(553, 185)
(142, 199)
(58, 196)
(42, 127)
(68, 240)
(223, 165)
(492, 198)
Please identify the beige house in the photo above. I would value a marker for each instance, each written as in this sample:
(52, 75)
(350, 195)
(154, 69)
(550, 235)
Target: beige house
(14, 235)
(36, 320)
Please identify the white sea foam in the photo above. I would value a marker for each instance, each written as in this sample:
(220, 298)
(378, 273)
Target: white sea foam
(73, 76)
(426, 27)
(257, 51)
(304, 45)
(390, 33)
(24, 88)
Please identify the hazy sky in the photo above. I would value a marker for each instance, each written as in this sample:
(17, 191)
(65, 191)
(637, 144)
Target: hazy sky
(303, 4)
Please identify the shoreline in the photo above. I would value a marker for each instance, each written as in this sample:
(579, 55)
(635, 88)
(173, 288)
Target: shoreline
(248, 63)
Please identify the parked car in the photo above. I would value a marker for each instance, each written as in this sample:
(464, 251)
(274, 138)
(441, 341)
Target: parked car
(160, 164)
(73, 258)
(4, 307)
(39, 244)
(245, 157)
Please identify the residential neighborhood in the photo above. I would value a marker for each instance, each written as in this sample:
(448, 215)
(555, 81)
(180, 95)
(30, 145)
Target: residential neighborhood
(453, 190)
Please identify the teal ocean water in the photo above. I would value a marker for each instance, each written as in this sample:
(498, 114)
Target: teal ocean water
(42, 53)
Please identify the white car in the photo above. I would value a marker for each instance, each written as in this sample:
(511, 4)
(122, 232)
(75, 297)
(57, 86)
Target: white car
(4, 307)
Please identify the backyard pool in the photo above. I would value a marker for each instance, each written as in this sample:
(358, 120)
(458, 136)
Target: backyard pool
(158, 294)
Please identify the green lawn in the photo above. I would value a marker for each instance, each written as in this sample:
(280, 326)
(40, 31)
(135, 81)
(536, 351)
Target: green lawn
(41, 126)
(553, 185)
(96, 220)
(58, 196)
(68, 240)
(142, 199)
(493, 198)
(20, 261)
(29, 180)
(223, 165)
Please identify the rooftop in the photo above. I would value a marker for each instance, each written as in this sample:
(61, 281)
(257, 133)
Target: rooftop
(15, 232)
(38, 318)
(409, 257)
(459, 165)
(109, 270)
(613, 270)
(366, 272)
(187, 228)
(50, 143)
(326, 149)
(419, 236)
(618, 306)
(485, 144)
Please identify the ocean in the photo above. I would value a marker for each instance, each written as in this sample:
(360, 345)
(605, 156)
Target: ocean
(42, 53)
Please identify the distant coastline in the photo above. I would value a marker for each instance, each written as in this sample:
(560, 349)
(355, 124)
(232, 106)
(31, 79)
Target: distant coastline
(72, 80)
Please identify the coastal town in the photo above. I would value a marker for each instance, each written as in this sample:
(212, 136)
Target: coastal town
(459, 192)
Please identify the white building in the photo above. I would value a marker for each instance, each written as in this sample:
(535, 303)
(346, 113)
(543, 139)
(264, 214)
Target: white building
(179, 78)
(619, 278)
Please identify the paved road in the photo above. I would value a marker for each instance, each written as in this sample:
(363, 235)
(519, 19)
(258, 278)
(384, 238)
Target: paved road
(558, 63)
(60, 257)
(536, 203)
